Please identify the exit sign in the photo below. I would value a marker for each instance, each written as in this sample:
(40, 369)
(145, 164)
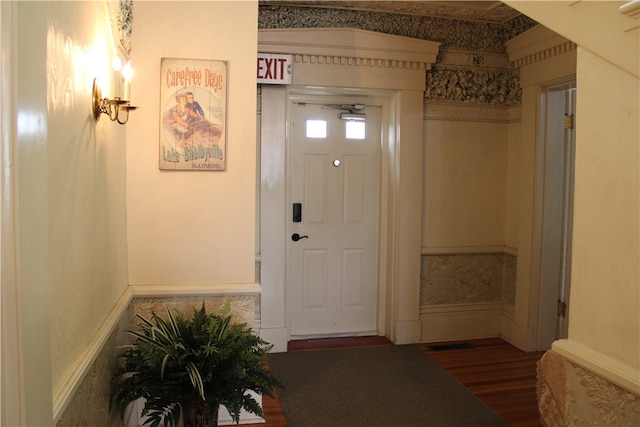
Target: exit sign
(275, 69)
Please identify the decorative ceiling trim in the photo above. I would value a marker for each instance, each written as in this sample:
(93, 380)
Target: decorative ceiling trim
(360, 62)
(474, 87)
(545, 54)
(465, 59)
(324, 55)
(537, 44)
(347, 43)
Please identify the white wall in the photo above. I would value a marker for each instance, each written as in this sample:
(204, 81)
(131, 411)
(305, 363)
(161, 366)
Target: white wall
(465, 169)
(604, 325)
(192, 227)
(605, 298)
(66, 187)
(87, 211)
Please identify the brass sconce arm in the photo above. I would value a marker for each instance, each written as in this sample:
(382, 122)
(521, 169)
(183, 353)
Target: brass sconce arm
(111, 107)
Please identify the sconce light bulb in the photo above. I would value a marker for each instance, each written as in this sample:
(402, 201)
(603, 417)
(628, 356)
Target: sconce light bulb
(127, 71)
(116, 63)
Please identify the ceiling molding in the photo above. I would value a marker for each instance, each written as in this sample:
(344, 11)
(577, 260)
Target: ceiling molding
(348, 43)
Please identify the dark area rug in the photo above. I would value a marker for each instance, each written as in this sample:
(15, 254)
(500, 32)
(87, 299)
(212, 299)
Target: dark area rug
(380, 386)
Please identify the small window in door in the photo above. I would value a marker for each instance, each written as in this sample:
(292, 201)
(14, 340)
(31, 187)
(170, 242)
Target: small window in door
(316, 129)
(355, 129)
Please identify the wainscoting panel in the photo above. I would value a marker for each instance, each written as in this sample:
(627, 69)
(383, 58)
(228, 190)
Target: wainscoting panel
(454, 322)
(569, 394)
(83, 399)
(466, 295)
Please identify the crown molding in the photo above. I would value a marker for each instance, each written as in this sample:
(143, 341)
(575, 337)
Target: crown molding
(537, 44)
(359, 62)
(348, 46)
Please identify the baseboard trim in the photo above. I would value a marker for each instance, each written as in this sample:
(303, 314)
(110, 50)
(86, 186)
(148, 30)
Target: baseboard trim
(407, 332)
(65, 389)
(453, 322)
(278, 337)
(608, 368)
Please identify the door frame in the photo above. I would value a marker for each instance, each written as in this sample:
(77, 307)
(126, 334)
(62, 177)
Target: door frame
(351, 96)
(543, 57)
(349, 61)
(549, 292)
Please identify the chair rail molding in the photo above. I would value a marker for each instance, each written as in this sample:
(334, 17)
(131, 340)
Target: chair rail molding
(69, 383)
(614, 371)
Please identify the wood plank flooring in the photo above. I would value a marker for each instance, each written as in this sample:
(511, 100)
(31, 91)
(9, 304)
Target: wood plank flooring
(499, 374)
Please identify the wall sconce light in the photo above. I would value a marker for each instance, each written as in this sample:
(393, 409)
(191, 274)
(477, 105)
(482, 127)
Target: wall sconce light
(117, 109)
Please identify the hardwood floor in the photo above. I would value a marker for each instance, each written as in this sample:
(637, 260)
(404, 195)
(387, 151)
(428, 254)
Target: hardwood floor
(499, 374)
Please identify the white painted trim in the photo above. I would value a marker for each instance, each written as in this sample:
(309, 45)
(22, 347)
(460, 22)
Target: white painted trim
(631, 9)
(463, 250)
(452, 322)
(350, 43)
(511, 251)
(537, 44)
(175, 290)
(454, 308)
(327, 61)
(456, 58)
(12, 403)
(406, 332)
(520, 336)
(70, 380)
(608, 368)
(278, 337)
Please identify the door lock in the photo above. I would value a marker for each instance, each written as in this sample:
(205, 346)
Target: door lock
(295, 237)
(297, 212)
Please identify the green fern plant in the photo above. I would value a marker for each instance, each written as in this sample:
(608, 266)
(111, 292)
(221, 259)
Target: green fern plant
(190, 367)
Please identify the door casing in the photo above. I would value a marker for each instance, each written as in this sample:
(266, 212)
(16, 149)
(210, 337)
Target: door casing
(554, 210)
(352, 62)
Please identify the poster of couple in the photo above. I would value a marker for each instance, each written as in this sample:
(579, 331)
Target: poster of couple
(193, 102)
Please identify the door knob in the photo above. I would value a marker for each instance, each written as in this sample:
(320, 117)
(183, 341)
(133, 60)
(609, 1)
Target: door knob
(295, 237)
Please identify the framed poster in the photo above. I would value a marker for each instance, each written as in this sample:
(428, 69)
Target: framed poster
(193, 107)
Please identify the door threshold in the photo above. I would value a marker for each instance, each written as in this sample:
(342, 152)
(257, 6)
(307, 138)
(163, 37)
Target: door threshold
(352, 341)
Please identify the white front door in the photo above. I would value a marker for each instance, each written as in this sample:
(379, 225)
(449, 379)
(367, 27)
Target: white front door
(332, 269)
